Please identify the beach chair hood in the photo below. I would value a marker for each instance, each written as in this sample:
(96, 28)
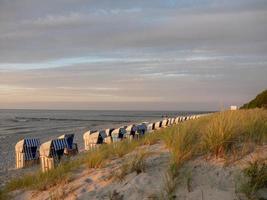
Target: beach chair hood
(48, 148)
(109, 131)
(131, 128)
(45, 148)
(142, 128)
(69, 138)
(165, 122)
(20, 146)
(103, 134)
(93, 138)
(87, 134)
(29, 147)
(119, 132)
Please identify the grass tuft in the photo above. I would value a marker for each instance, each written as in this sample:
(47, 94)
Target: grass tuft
(256, 178)
(151, 138)
(221, 134)
(170, 181)
(135, 164)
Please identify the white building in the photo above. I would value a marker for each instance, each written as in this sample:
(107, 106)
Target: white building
(233, 107)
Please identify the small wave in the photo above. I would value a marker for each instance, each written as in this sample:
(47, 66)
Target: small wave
(16, 128)
(17, 120)
(132, 116)
(64, 119)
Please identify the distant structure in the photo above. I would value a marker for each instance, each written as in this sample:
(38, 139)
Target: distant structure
(233, 108)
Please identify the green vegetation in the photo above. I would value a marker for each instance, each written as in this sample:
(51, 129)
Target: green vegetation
(259, 102)
(62, 174)
(221, 135)
(170, 181)
(256, 175)
(134, 164)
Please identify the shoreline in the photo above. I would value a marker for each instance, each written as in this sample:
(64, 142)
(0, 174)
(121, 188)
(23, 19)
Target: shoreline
(7, 174)
(13, 131)
(212, 173)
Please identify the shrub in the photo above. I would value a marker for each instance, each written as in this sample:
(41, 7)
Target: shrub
(256, 175)
(259, 102)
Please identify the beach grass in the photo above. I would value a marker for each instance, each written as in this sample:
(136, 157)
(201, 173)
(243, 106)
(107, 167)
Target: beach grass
(95, 158)
(220, 135)
(136, 163)
(256, 178)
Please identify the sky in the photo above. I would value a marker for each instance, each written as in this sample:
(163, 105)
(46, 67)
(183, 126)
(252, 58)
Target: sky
(132, 55)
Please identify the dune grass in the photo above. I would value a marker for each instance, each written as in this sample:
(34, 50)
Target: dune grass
(254, 178)
(220, 134)
(95, 158)
(136, 163)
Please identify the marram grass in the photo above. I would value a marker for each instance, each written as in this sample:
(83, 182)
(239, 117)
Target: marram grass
(218, 134)
(92, 159)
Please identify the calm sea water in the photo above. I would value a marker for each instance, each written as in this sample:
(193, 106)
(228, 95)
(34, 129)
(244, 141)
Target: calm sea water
(48, 124)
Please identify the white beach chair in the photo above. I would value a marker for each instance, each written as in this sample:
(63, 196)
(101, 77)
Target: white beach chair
(51, 153)
(27, 152)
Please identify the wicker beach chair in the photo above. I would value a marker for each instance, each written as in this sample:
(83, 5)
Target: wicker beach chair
(141, 129)
(130, 131)
(151, 127)
(94, 139)
(52, 152)
(27, 152)
(72, 147)
(108, 138)
(158, 125)
(118, 134)
(164, 123)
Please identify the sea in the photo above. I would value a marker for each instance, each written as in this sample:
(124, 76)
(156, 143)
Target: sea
(49, 124)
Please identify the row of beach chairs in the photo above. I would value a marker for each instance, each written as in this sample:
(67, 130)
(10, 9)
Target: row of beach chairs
(31, 151)
(49, 154)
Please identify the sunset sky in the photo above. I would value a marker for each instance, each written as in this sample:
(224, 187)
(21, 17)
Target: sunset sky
(136, 55)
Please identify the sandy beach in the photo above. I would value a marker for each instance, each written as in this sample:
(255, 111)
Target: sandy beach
(186, 158)
(17, 125)
(209, 179)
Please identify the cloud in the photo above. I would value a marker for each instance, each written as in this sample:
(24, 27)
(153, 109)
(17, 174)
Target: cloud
(125, 51)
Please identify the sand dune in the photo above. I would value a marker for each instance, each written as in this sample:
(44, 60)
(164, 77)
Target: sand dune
(200, 178)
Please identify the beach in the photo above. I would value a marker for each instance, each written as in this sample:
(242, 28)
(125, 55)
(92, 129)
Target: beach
(48, 124)
(184, 158)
